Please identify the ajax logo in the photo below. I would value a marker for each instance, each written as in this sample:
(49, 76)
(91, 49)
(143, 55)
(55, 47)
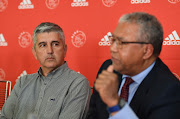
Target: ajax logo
(109, 3)
(2, 74)
(78, 39)
(52, 4)
(3, 5)
(174, 1)
(105, 41)
(25, 39)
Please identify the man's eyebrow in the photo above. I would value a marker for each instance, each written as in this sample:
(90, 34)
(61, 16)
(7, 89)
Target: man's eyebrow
(55, 42)
(41, 43)
(46, 42)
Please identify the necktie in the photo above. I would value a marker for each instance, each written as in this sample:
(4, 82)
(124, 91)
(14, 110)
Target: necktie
(125, 88)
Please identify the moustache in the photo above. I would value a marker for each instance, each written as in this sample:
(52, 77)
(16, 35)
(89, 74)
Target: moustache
(50, 57)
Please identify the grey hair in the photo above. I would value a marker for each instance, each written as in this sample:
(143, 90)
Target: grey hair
(151, 30)
(48, 27)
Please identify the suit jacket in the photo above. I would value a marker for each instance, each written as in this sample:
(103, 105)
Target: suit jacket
(157, 97)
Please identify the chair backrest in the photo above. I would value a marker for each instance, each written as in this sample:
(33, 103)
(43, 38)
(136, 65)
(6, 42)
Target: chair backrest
(5, 90)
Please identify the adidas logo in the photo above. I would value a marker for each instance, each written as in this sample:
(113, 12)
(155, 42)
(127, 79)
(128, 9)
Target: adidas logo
(79, 3)
(139, 1)
(2, 40)
(26, 4)
(22, 74)
(105, 41)
(172, 39)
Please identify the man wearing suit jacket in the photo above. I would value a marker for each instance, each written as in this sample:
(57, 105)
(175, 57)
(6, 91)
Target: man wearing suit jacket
(154, 92)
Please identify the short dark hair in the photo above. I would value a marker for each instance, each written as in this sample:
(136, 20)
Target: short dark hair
(48, 27)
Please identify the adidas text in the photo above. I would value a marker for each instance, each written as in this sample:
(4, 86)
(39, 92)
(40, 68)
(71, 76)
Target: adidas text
(170, 42)
(140, 1)
(3, 44)
(79, 4)
(104, 44)
(25, 7)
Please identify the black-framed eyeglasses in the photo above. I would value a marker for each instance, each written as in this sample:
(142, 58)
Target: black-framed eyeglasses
(119, 42)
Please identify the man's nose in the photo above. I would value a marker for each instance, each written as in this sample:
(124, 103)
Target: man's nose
(49, 49)
(113, 47)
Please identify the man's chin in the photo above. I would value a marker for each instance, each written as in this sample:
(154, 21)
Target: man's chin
(51, 66)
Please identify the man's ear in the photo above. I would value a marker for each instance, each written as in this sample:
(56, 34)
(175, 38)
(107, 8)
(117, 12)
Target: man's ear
(34, 53)
(148, 51)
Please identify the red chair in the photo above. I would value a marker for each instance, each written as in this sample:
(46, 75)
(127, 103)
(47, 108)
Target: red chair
(5, 90)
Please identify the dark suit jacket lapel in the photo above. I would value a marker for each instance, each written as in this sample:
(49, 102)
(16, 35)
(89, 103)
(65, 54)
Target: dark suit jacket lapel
(143, 89)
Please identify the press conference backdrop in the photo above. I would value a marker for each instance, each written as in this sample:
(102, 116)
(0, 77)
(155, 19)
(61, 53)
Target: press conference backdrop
(86, 23)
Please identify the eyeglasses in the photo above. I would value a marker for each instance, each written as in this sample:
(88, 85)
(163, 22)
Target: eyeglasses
(118, 42)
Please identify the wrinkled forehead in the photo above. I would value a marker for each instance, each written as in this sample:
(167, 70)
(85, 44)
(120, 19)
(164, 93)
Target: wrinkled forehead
(48, 37)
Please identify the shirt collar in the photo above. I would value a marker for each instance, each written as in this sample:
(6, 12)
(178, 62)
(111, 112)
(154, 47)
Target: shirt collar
(55, 73)
(140, 77)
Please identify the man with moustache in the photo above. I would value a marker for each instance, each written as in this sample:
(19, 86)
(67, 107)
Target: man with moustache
(135, 83)
(55, 91)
